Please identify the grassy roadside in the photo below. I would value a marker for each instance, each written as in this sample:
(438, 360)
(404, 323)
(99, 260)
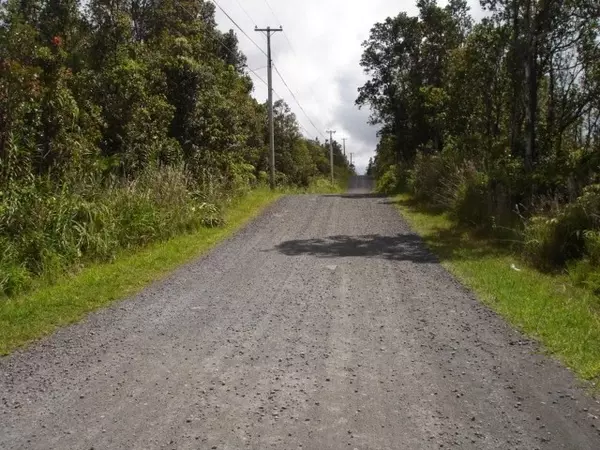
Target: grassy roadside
(564, 318)
(38, 313)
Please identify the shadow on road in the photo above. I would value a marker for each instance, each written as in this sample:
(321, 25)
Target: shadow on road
(459, 242)
(403, 247)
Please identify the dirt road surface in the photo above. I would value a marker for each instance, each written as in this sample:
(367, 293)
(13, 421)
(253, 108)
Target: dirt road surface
(324, 324)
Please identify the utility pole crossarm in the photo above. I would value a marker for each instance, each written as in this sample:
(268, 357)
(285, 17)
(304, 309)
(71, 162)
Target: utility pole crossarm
(269, 31)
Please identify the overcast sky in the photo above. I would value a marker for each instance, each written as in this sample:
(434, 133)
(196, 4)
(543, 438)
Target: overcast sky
(320, 63)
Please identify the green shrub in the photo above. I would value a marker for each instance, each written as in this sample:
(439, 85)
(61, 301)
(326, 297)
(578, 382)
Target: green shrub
(586, 272)
(281, 179)
(567, 234)
(427, 179)
(592, 246)
(14, 279)
(395, 179)
(45, 231)
(542, 245)
(242, 178)
(263, 177)
(468, 198)
(321, 185)
(389, 182)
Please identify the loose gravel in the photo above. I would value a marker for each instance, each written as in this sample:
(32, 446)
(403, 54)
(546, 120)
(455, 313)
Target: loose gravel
(324, 324)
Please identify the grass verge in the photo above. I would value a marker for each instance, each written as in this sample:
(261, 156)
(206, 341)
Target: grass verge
(564, 318)
(38, 313)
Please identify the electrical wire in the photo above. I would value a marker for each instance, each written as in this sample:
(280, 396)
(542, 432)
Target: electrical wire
(214, 39)
(285, 35)
(239, 28)
(272, 12)
(297, 102)
(279, 97)
(256, 74)
(249, 16)
(245, 12)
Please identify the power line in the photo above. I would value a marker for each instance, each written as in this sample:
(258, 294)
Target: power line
(257, 76)
(253, 71)
(297, 102)
(211, 36)
(279, 97)
(304, 129)
(276, 69)
(312, 92)
(247, 14)
(282, 79)
(272, 12)
(284, 33)
(238, 27)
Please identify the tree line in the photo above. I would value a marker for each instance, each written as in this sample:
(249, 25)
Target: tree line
(495, 121)
(123, 122)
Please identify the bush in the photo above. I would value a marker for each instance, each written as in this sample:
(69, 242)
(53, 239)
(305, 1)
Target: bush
(586, 272)
(426, 178)
(395, 179)
(14, 279)
(241, 178)
(320, 185)
(45, 231)
(542, 244)
(471, 194)
(467, 197)
(263, 177)
(460, 190)
(388, 182)
(567, 234)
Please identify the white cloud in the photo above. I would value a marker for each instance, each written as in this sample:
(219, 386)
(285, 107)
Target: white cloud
(323, 68)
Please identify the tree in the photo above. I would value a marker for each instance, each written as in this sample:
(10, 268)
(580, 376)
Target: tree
(513, 97)
(406, 58)
(370, 168)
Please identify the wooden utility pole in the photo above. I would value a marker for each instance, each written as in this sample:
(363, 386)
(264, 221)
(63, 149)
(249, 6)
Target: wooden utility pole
(269, 31)
(331, 133)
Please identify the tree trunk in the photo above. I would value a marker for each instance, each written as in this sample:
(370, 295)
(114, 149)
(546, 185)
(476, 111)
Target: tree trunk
(532, 87)
(515, 71)
(551, 117)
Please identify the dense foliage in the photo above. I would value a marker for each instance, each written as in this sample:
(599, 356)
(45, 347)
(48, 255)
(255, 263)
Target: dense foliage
(495, 120)
(123, 122)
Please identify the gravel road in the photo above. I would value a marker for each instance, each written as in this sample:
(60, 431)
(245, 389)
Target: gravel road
(324, 324)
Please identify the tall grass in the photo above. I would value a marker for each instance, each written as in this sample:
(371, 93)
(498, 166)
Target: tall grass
(565, 318)
(46, 229)
(550, 234)
(29, 316)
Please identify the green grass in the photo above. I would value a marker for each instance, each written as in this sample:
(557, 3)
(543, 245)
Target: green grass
(564, 318)
(28, 317)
